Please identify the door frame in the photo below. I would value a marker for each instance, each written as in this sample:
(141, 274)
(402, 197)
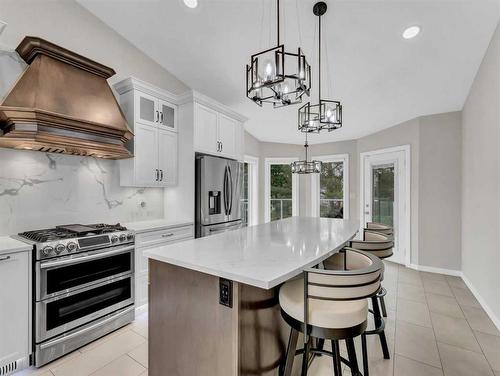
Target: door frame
(406, 200)
(267, 186)
(344, 158)
(253, 189)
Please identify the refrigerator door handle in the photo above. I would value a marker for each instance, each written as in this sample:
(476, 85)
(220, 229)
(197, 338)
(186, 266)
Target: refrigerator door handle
(225, 191)
(231, 190)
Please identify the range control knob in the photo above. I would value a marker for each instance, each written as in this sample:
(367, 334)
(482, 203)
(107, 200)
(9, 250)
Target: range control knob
(114, 239)
(71, 247)
(123, 237)
(60, 248)
(130, 236)
(47, 250)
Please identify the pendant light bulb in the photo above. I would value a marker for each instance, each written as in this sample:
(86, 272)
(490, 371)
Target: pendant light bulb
(269, 70)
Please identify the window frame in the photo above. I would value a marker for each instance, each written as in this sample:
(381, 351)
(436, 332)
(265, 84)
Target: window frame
(267, 186)
(253, 189)
(315, 183)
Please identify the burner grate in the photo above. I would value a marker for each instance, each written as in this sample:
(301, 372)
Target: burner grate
(70, 231)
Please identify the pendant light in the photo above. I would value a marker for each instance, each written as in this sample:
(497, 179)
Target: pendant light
(306, 166)
(327, 114)
(278, 77)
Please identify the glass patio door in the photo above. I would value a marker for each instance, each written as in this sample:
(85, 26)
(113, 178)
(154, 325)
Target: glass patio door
(384, 196)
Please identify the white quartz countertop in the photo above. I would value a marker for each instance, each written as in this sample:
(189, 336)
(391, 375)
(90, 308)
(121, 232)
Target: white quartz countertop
(156, 224)
(10, 245)
(262, 256)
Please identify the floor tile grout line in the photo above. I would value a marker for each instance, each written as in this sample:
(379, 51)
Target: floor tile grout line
(477, 340)
(435, 337)
(136, 361)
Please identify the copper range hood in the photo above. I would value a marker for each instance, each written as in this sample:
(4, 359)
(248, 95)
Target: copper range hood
(62, 103)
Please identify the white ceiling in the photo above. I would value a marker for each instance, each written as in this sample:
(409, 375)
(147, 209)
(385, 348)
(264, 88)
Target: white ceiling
(380, 78)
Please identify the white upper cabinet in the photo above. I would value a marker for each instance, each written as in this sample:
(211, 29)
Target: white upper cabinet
(229, 130)
(152, 115)
(205, 130)
(217, 133)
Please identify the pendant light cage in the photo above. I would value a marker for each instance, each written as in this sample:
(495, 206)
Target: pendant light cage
(278, 77)
(306, 166)
(327, 114)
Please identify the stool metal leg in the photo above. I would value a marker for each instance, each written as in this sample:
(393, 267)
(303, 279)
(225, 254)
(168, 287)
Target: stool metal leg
(305, 357)
(351, 352)
(382, 305)
(378, 322)
(290, 353)
(337, 365)
(320, 345)
(364, 350)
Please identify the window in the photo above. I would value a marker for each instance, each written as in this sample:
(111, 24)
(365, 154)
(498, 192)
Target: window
(281, 189)
(249, 199)
(330, 188)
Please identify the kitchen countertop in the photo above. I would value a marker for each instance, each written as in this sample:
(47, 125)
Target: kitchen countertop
(10, 245)
(156, 224)
(262, 256)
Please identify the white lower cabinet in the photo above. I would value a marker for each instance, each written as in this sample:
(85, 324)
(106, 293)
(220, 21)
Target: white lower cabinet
(15, 319)
(151, 239)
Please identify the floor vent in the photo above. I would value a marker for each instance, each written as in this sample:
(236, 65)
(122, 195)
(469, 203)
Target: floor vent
(8, 369)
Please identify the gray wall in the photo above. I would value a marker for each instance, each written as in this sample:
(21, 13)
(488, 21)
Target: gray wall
(440, 190)
(67, 189)
(402, 134)
(481, 180)
(435, 143)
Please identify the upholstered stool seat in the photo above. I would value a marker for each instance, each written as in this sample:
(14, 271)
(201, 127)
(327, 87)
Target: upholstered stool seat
(331, 305)
(322, 313)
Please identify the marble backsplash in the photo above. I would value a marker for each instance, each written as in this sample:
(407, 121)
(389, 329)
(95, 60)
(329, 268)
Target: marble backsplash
(40, 190)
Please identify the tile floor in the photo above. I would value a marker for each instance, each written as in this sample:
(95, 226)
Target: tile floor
(435, 328)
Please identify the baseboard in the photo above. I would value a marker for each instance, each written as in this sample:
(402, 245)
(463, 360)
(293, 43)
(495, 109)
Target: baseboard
(481, 301)
(140, 310)
(431, 269)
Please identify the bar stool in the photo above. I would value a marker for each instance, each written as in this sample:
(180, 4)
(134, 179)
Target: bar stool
(330, 305)
(379, 227)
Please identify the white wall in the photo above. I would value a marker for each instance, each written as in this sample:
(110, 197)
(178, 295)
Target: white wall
(39, 190)
(481, 181)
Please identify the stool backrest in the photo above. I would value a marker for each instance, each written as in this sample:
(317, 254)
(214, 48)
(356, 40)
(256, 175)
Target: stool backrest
(379, 227)
(373, 241)
(361, 280)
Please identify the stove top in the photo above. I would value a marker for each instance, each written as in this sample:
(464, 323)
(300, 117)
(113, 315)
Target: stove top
(70, 231)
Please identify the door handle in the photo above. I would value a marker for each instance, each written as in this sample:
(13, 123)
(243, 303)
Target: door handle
(367, 212)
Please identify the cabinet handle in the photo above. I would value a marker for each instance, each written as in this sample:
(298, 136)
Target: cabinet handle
(221, 146)
(5, 258)
(167, 235)
(161, 117)
(157, 116)
(161, 175)
(157, 174)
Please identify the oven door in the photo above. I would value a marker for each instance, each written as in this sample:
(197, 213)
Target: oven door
(68, 311)
(67, 274)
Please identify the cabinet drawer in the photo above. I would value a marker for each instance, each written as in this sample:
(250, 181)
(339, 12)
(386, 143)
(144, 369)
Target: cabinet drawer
(157, 237)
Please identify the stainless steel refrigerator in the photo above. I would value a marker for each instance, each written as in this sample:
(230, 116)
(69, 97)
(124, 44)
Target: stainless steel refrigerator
(218, 189)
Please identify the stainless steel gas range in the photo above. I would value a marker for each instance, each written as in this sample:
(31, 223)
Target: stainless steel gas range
(83, 285)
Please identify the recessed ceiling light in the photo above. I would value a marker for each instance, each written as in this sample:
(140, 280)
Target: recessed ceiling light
(411, 32)
(191, 3)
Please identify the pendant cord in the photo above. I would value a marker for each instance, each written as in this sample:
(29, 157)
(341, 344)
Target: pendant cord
(319, 61)
(298, 22)
(262, 34)
(278, 18)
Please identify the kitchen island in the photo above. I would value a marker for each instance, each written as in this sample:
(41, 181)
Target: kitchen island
(192, 333)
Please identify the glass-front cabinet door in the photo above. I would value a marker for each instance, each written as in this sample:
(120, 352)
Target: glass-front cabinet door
(146, 109)
(167, 115)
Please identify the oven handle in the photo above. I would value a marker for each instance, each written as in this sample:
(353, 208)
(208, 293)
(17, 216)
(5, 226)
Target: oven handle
(80, 332)
(78, 260)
